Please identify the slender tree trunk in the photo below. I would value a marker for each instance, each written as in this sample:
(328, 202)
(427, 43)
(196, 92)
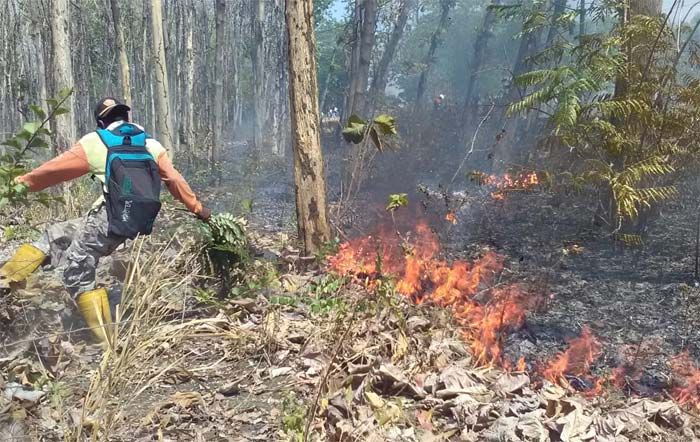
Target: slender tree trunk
(582, 18)
(306, 138)
(471, 108)
(257, 58)
(365, 27)
(380, 78)
(163, 115)
(217, 145)
(37, 42)
(327, 82)
(559, 9)
(435, 41)
(124, 75)
(511, 148)
(62, 71)
(189, 80)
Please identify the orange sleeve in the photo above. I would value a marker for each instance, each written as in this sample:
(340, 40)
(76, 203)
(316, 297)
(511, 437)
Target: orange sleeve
(69, 165)
(177, 185)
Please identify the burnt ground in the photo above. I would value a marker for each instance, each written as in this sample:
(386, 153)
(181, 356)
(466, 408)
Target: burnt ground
(628, 296)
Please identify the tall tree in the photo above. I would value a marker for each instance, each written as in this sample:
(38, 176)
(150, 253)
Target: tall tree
(364, 27)
(257, 56)
(477, 61)
(189, 85)
(124, 75)
(217, 145)
(510, 149)
(435, 41)
(161, 92)
(62, 71)
(381, 74)
(309, 176)
(559, 8)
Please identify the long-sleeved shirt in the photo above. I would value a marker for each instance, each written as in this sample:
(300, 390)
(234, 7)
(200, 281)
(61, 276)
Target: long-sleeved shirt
(89, 155)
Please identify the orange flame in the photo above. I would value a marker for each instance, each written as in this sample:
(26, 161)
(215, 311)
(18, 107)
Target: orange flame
(576, 360)
(507, 183)
(455, 286)
(684, 368)
(451, 218)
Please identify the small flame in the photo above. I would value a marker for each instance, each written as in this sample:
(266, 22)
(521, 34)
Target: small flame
(684, 368)
(576, 360)
(506, 183)
(451, 218)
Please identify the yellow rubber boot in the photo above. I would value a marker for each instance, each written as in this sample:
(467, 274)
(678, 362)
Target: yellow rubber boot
(27, 259)
(94, 306)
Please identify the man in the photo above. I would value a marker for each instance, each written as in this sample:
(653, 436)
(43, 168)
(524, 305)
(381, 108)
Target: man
(130, 166)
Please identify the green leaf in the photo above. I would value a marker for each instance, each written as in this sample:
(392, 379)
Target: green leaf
(247, 205)
(60, 111)
(12, 142)
(354, 132)
(38, 142)
(397, 200)
(65, 93)
(374, 136)
(39, 112)
(31, 127)
(386, 124)
(24, 135)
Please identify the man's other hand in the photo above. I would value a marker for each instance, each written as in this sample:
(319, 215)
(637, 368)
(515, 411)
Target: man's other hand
(204, 214)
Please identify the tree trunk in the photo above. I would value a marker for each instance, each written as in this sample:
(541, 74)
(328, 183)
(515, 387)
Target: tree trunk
(380, 78)
(163, 116)
(309, 176)
(559, 9)
(471, 108)
(38, 43)
(189, 79)
(435, 40)
(582, 18)
(649, 8)
(124, 75)
(217, 145)
(62, 72)
(510, 149)
(365, 27)
(257, 58)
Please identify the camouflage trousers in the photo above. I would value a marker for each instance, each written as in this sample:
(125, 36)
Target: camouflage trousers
(78, 246)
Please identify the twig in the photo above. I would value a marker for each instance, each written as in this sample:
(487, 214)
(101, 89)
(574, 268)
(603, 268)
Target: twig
(471, 150)
(322, 382)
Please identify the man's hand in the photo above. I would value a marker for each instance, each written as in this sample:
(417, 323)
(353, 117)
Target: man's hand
(204, 214)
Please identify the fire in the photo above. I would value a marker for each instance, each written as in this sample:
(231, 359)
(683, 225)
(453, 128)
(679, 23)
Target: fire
(507, 183)
(451, 218)
(684, 368)
(484, 314)
(576, 360)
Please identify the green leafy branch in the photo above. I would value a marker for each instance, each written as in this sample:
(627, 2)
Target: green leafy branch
(359, 130)
(30, 138)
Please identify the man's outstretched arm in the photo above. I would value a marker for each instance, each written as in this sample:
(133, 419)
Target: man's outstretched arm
(70, 165)
(179, 188)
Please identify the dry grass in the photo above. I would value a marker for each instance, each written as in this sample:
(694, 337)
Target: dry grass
(145, 324)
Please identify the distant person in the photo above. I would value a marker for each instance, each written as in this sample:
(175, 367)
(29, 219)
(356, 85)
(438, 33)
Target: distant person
(130, 166)
(438, 101)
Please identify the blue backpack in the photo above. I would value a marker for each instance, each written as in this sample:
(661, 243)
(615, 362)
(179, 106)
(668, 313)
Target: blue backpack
(132, 181)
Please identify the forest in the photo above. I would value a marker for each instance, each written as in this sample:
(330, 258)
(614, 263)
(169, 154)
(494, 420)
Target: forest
(350, 220)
